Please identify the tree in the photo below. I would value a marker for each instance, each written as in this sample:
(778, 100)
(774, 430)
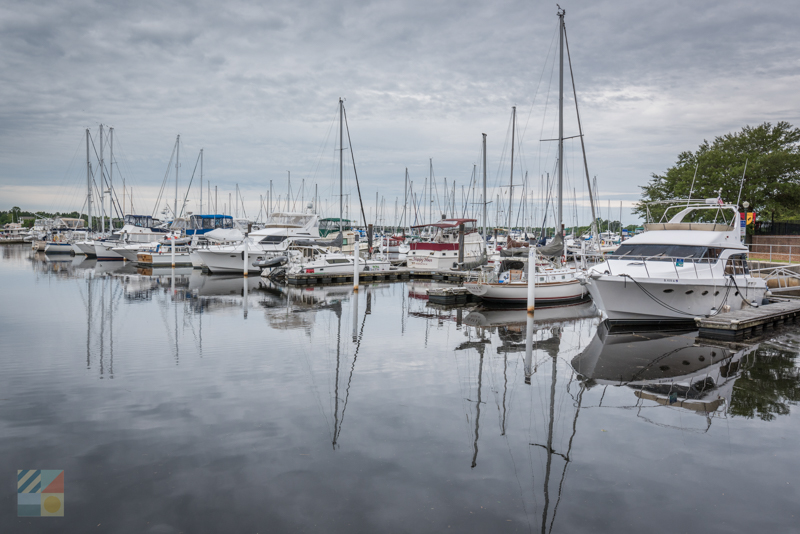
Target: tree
(772, 180)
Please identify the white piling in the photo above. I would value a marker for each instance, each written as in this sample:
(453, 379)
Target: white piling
(355, 267)
(173, 252)
(531, 279)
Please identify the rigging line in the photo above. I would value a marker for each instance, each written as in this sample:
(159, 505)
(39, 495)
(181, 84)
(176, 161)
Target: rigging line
(110, 189)
(541, 77)
(189, 187)
(355, 173)
(164, 182)
(544, 115)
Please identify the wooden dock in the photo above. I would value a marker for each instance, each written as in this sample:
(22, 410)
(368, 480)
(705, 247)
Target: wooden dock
(316, 279)
(749, 322)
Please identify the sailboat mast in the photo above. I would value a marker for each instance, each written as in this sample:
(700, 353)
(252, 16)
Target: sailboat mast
(177, 165)
(484, 186)
(511, 181)
(430, 194)
(341, 164)
(560, 120)
(111, 185)
(201, 180)
(102, 184)
(88, 181)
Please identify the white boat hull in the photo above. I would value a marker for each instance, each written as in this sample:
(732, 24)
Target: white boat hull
(624, 301)
(162, 259)
(58, 248)
(231, 260)
(104, 251)
(517, 292)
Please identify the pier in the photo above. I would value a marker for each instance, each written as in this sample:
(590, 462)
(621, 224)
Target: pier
(750, 321)
(316, 279)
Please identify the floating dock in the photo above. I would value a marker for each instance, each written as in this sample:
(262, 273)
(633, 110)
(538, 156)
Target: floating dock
(449, 295)
(749, 322)
(316, 279)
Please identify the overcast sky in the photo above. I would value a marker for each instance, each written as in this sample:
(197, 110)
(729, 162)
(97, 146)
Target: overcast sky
(256, 85)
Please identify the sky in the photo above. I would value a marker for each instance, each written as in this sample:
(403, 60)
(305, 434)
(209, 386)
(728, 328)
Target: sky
(256, 86)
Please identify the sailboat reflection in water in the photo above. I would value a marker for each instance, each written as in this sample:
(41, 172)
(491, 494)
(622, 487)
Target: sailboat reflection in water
(546, 339)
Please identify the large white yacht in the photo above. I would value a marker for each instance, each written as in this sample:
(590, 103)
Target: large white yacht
(272, 240)
(692, 265)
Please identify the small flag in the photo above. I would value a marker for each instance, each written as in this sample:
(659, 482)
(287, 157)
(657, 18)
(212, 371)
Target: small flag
(40, 492)
(719, 201)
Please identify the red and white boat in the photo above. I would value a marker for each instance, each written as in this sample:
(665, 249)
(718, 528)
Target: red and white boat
(441, 252)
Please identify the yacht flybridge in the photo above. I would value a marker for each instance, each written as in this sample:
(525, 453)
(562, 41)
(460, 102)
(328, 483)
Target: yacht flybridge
(692, 265)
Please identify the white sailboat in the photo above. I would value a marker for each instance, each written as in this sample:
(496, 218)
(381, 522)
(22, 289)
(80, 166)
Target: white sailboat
(556, 282)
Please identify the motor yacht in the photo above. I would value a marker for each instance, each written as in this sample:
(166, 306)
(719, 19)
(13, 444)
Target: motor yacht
(692, 265)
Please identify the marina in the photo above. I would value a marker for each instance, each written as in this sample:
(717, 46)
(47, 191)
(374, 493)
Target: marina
(397, 267)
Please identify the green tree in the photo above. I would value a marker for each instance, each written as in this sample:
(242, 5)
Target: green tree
(772, 180)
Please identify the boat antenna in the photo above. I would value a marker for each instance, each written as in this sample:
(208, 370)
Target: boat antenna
(741, 184)
(691, 190)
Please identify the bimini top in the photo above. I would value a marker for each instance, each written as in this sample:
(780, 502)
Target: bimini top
(682, 220)
(447, 223)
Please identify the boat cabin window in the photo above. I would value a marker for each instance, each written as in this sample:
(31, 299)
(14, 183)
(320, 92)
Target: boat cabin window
(665, 252)
(272, 239)
(211, 222)
(336, 260)
(142, 221)
(737, 264)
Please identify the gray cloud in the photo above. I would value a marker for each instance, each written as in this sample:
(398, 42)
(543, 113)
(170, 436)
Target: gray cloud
(257, 84)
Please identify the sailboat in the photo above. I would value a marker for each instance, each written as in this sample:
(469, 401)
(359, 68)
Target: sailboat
(556, 282)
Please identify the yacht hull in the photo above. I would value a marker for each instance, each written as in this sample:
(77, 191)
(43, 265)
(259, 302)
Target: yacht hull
(657, 301)
(229, 261)
(104, 251)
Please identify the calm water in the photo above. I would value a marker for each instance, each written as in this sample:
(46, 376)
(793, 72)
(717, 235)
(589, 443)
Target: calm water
(212, 404)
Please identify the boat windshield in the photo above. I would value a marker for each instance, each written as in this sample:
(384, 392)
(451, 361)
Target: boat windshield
(210, 222)
(655, 252)
(272, 239)
(285, 220)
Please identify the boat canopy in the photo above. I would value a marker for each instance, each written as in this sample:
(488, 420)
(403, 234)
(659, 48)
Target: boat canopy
(288, 220)
(69, 222)
(210, 222)
(469, 224)
(142, 221)
(331, 224)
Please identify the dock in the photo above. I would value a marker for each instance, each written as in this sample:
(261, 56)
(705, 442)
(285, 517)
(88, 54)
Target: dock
(749, 322)
(317, 279)
(449, 295)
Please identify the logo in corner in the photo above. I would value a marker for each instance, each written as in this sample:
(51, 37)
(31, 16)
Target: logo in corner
(40, 492)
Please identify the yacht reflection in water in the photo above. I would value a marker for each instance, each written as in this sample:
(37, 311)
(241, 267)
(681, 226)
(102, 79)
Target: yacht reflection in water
(665, 370)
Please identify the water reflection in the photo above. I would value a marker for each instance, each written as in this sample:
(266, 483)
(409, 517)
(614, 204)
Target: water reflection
(440, 416)
(677, 371)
